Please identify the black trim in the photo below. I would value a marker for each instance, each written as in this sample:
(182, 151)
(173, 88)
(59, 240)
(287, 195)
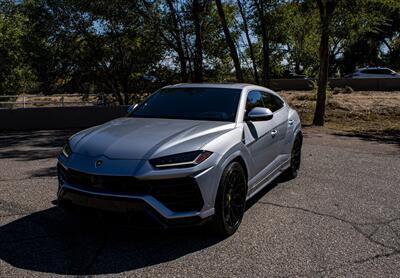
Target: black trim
(129, 211)
(178, 194)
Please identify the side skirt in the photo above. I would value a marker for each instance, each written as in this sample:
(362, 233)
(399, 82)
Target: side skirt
(268, 179)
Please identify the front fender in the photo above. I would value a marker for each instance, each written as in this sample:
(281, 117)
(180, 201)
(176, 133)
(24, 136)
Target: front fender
(235, 152)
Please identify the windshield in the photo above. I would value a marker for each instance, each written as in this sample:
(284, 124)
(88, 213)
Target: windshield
(211, 104)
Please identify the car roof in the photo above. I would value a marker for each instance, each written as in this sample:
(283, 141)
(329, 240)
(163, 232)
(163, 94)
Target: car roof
(239, 86)
(211, 85)
(373, 68)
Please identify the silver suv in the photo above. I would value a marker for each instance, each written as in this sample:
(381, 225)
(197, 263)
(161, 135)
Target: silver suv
(188, 154)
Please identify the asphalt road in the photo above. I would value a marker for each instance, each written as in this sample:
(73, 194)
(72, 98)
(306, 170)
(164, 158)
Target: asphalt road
(340, 217)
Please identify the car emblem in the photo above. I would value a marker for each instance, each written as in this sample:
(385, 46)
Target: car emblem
(98, 163)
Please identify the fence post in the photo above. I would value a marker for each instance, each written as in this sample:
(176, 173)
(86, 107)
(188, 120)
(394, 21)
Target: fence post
(23, 99)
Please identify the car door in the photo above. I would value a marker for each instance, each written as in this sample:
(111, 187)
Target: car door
(257, 134)
(280, 123)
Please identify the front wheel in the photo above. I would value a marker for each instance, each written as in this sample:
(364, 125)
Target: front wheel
(231, 200)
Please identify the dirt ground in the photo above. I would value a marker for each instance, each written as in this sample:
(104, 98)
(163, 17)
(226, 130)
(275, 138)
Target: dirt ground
(370, 114)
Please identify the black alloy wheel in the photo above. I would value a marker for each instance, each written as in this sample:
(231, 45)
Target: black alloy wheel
(231, 200)
(295, 159)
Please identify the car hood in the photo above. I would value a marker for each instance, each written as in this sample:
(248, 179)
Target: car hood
(144, 138)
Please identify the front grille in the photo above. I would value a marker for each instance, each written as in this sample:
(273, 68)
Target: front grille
(180, 194)
(101, 183)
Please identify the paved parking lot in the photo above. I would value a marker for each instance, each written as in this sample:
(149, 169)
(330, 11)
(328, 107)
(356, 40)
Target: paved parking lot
(340, 217)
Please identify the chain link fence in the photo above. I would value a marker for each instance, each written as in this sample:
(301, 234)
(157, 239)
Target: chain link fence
(33, 101)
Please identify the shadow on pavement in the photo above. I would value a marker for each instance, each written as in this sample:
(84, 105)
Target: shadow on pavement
(251, 202)
(52, 241)
(41, 139)
(27, 155)
(33, 145)
(381, 136)
(44, 172)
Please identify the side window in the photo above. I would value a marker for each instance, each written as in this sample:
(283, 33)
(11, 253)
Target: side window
(377, 71)
(367, 71)
(272, 102)
(254, 99)
(385, 71)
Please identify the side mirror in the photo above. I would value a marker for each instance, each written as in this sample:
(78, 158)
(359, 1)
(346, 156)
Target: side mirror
(131, 108)
(259, 114)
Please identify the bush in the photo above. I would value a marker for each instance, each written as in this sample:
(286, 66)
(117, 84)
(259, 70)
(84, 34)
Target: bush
(309, 97)
(345, 90)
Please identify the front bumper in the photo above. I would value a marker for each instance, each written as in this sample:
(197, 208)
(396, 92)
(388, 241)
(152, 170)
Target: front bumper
(170, 201)
(127, 211)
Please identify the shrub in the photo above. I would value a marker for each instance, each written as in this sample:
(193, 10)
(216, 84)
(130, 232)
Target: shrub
(345, 90)
(310, 97)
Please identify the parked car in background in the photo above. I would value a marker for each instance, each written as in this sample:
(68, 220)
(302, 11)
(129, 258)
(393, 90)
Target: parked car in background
(293, 75)
(189, 153)
(375, 72)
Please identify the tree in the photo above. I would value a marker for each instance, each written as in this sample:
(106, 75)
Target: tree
(326, 9)
(299, 26)
(343, 23)
(132, 47)
(229, 41)
(198, 9)
(178, 46)
(112, 49)
(249, 43)
(16, 75)
(262, 8)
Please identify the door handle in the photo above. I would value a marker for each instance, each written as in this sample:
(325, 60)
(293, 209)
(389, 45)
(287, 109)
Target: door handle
(291, 122)
(274, 132)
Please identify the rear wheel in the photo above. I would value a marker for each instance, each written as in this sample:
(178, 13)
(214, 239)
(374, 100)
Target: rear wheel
(231, 200)
(295, 159)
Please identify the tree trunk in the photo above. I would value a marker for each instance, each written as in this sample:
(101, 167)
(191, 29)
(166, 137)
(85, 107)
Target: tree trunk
(183, 67)
(189, 55)
(297, 66)
(198, 44)
(326, 9)
(265, 43)
(230, 42)
(246, 31)
(179, 44)
(266, 73)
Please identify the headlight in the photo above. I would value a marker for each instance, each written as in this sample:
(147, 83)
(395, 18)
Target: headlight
(67, 151)
(181, 160)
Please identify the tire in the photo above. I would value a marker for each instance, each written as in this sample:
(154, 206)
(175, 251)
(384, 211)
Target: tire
(295, 160)
(231, 200)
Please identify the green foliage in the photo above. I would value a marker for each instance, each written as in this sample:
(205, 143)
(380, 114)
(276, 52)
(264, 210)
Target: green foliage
(15, 73)
(130, 48)
(300, 27)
